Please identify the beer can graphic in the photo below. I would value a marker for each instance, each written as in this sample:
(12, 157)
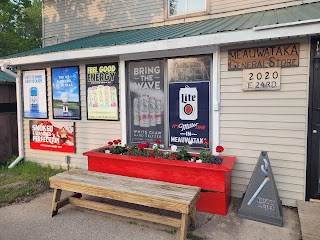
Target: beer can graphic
(34, 100)
(144, 111)
(158, 111)
(136, 112)
(152, 111)
(188, 103)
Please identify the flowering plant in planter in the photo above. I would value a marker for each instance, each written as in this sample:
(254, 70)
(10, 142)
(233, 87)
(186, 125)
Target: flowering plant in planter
(157, 151)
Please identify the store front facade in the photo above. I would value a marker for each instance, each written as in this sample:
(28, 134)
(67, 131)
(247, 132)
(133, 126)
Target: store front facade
(246, 90)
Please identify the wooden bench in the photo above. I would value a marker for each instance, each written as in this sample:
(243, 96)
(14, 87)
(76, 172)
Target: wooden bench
(155, 194)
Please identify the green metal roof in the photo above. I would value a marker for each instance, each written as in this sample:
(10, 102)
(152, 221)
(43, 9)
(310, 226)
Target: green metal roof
(307, 11)
(6, 78)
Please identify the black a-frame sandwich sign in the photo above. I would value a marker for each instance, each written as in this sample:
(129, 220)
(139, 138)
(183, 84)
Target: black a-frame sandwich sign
(261, 200)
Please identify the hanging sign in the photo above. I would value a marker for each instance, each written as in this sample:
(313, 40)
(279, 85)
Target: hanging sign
(146, 101)
(102, 91)
(35, 94)
(261, 79)
(65, 93)
(189, 108)
(264, 57)
(53, 136)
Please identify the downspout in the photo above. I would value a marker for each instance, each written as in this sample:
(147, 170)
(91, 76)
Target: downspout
(19, 113)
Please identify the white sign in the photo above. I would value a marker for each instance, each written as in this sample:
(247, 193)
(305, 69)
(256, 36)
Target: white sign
(261, 79)
(35, 94)
(188, 103)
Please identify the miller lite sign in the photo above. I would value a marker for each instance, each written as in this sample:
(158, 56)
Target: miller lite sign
(188, 103)
(189, 109)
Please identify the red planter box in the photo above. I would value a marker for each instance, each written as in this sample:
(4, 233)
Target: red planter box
(214, 180)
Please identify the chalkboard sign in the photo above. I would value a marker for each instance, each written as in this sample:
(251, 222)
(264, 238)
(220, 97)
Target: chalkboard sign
(261, 201)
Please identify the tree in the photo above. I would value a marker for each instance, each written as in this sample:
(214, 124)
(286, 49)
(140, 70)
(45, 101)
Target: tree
(20, 25)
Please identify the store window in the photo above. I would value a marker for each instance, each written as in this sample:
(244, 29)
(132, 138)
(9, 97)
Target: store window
(182, 7)
(189, 100)
(174, 107)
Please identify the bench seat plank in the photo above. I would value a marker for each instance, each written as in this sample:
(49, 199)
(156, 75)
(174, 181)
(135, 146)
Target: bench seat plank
(173, 197)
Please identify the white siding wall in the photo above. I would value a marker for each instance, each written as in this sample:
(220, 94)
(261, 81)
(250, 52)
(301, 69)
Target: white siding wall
(273, 121)
(222, 6)
(88, 134)
(68, 20)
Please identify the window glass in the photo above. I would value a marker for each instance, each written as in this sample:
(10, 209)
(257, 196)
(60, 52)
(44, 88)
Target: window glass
(189, 69)
(189, 100)
(180, 7)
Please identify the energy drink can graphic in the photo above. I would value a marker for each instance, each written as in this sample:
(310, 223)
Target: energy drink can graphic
(113, 96)
(34, 99)
(188, 103)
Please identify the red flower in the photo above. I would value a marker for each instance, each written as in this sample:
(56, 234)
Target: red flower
(146, 144)
(219, 149)
(157, 141)
(119, 140)
(140, 146)
(110, 143)
(115, 141)
(205, 142)
(174, 156)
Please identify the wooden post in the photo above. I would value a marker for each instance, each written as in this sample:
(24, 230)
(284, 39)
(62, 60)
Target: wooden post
(193, 216)
(182, 232)
(56, 198)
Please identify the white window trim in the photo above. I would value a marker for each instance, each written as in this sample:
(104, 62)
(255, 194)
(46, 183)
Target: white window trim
(215, 111)
(123, 108)
(187, 14)
(215, 88)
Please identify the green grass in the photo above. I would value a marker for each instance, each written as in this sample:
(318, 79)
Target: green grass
(23, 182)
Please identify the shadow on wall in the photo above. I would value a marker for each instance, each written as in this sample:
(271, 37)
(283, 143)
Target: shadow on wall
(68, 20)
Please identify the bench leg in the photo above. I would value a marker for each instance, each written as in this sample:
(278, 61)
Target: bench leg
(56, 198)
(193, 217)
(182, 231)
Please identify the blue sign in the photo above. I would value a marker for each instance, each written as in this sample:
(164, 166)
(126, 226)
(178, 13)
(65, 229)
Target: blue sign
(65, 93)
(189, 113)
(35, 94)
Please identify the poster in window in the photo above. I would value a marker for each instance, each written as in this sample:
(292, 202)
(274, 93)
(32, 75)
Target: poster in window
(52, 135)
(35, 94)
(189, 109)
(146, 102)
(65, 93)
(102, 91)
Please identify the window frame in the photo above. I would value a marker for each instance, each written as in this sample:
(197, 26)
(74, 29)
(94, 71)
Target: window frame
(187, 14)
(166, 133)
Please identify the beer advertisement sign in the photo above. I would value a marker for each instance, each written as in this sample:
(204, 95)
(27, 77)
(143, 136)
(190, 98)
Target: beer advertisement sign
(65, 93)
(146, 101)
(189, 108)
(35, 94)
(102, 91)
(52, 135)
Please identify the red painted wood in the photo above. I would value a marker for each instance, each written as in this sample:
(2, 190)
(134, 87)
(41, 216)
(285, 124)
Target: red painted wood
(212, 177)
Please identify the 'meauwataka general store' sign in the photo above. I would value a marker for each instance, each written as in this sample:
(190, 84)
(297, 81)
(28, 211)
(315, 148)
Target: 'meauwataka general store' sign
(264, 57)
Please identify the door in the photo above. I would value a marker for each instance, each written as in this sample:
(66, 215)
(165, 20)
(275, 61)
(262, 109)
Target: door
(313, 165)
